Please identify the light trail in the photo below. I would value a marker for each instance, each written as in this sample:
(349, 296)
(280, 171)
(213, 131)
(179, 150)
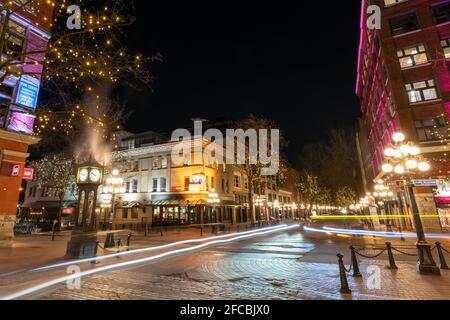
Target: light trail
(362, 217)
(138, 261)
(381, 234)
(123, 253)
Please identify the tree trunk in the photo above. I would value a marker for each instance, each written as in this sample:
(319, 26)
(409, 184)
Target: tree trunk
(61, 207)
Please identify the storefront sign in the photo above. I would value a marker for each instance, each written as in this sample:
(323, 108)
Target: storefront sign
(28, 174)
(16, 170)
(27, 94)
(67, 211)
(425, 183)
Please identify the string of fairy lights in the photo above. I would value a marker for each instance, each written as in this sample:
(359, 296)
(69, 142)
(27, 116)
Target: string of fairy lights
(87, 59)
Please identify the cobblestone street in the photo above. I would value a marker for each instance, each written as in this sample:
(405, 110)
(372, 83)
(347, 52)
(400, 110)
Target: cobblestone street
(283, 266)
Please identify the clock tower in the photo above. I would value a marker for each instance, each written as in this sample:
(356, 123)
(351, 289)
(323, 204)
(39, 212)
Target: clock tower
(83, 242)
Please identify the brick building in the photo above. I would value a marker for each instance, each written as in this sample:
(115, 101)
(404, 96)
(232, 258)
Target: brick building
(25, 30)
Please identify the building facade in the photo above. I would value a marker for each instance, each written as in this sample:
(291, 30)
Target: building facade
(25, 30)
(404, 84)
(157, 192)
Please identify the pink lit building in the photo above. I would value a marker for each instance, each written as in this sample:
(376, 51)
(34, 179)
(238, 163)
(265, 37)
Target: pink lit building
(403, 78)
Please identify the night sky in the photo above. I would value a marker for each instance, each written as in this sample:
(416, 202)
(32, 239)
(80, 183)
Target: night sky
(292, 63)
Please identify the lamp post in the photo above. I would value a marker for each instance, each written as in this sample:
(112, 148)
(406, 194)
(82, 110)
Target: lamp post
(403, 159)
(114, 185)
(213, 199)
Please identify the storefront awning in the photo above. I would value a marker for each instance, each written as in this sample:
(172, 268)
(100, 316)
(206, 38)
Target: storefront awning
(38, 205)
(126, 205)
(189, 203)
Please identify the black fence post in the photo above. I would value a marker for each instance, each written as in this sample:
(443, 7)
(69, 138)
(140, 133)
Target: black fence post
(97, 243)
(392, 264)
(129, 240)
(109, 243)
(356, 272)
(343, 275)
(442, 261)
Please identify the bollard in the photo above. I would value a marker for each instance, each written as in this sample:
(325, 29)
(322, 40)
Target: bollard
(97, 243)
(238, 228)
(392, 264)
(201, 231)
(161, 232)
(119, 243)
(109, 243)
(145, 230)
(342, 274)
(442, 261)
(356, 272)
(402, 238)
(128, 239)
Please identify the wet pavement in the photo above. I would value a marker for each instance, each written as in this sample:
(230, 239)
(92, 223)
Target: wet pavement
(283, 266)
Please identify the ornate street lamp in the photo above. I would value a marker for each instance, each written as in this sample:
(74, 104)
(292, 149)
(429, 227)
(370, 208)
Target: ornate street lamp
(83, 242)
(114, 185)
(213, 199)
(403, 159)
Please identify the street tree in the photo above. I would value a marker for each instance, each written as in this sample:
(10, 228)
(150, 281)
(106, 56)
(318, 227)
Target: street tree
(256, 180)
(345, 197)
(55, 172)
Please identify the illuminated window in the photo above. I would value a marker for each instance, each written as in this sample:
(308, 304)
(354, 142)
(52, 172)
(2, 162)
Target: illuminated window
(432, 129)
(441, 13)
(446, 46)
(135, 186)
(403, 24)
(15, 38)
(422, 91)
(237, 181)
(163, 184)
(412, 56)
(155, 185)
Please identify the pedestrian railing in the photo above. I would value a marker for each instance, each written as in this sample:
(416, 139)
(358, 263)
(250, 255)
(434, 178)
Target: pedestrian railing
(389, 249)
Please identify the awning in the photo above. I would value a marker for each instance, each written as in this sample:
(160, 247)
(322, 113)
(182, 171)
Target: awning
(189, 203)
(126, 205)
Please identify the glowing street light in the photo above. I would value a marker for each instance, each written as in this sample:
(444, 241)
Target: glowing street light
(114, 185)
(404, 159)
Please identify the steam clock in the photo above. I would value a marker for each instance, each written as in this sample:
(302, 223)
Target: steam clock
(83, 242)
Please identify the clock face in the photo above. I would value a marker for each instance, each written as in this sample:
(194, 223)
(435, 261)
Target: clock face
(95, 175)
(83, 175)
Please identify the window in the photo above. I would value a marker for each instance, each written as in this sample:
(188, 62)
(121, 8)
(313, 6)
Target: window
(136, 166)
(246, 183)
(163, 184)
(135, 186)
(6, 93)
(432, 129)
(223, 185)
(237, 181)
(213, 184)
(391, 2)
(441, 13)
(446, 46)
(163, 162)
(155, 185)
(412, 56)
(134, 213)
(404, 24)
(124, 213)
(421, 91)
(128, 186)
(15, 38)
(187, 182)
(156, 163)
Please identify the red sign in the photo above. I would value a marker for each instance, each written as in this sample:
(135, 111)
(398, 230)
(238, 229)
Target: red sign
(28, 174)
(67, 211)
(442, 199)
